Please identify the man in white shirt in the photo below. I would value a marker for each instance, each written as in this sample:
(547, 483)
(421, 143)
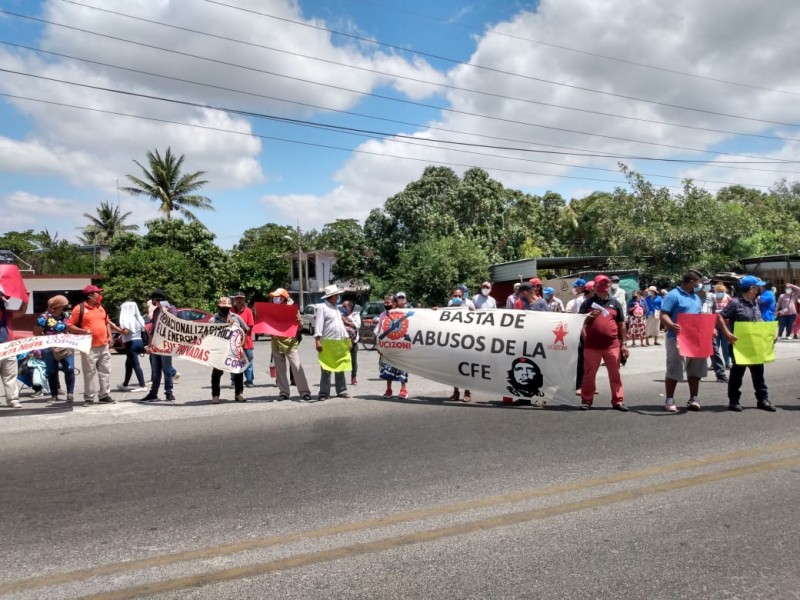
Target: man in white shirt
(484, 300)
(619, 295)
(511, 301)
(578, 288)
(328, 325)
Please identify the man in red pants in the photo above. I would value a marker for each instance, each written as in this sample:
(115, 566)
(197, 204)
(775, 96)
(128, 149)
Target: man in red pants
(603, 340)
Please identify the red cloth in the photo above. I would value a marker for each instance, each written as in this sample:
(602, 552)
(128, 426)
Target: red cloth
(591, 364)
(696, 338)
(247, 316)
(13, 285)
(276, 319)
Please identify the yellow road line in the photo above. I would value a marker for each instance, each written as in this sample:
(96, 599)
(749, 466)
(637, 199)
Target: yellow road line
(322, 556)
(394, 519)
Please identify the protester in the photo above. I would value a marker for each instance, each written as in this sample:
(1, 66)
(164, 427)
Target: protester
(511, 301)
(160, 364)
(652, 325)
(682, 300)
(721, 345)
(132, 324)
(588, 292)
(578, 289)
(224, 314)
(457, 300)
(766, 303)
(603, 341)
(240, 308)
(709, 307)
(51, 322)
(636, 327)
(530, 300)
(786, 310)
(90, 318)
(538, 294)
(744, 308)
(484, 300)
(555, 304)
(352, 322)
(619, 293)
(8, 366)
(285, 349)
(328, 325)
(386, 371)
(400, 300)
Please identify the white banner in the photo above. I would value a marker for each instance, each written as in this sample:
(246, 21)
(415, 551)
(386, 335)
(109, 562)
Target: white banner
(521, 354)
(218, 345)
(81, 343)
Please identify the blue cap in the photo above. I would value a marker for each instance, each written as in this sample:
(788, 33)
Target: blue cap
(549, 290)
(579, 282)
(749, 281)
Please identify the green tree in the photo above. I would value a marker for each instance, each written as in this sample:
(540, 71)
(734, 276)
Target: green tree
(346, 238)
(164, 183)
(107, 222)
(260, 262)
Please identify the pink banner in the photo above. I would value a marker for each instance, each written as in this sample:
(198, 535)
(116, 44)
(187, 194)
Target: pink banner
(276, 319)
(696, 338)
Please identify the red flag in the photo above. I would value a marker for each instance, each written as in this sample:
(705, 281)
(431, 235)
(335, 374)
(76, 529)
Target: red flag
(276, 319)
(696, 338)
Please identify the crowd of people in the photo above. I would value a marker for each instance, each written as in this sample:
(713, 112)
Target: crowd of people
(613, 324)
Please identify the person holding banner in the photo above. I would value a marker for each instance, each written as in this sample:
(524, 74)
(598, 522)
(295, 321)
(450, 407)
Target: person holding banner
(224, 315)
(52, 322)
(682, 300)
(386, 371)
(744, 309)
(160, 364)
(285, 349)
(603, 341)
(333, 344)
(8, 366)
(352, 322)
(240, 308)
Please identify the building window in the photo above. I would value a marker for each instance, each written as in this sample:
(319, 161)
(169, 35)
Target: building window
(311, 266)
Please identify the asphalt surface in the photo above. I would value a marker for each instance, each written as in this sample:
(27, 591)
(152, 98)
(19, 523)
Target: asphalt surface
(420, 498)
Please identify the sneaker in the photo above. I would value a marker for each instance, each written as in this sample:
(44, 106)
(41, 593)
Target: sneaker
(669, 406)
(621, 407)
(306, 397)
(248, 384)
(283, 397)
(39, 394)
(735, 407)
(346, 395)
(404, 393)
(150, 398)
(585, 406)
(137, 389)
(388, 394)
(107, 400)
(87, 403)
(14, 404)
(55, 398)
(722, 379)
(176, 376)
(70, 398)
(170, 397)
(214, 399)
(353, 381)
(693, 404)
(240, 398)
(124, 387)
(766, 405)
(321, 398)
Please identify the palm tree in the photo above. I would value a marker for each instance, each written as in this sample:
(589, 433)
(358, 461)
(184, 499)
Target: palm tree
(108, 222)
(164, 183)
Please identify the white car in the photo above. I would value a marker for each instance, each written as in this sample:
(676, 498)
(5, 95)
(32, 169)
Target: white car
(307, 317)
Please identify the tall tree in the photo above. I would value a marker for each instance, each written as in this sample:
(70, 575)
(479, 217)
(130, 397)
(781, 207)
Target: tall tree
(164, 183)
(106, 224)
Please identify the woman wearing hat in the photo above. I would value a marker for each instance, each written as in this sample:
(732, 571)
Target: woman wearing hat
(224, 315)
(652, 325)
(51, 322)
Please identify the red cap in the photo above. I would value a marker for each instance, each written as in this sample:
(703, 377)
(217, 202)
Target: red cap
(92, 289)
(602, 282)
(535, 281)
(589, 287)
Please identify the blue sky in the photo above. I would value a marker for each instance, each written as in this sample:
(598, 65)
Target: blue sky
(57, 163)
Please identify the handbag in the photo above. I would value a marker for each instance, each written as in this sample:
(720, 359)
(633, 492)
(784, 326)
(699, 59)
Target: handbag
(61, 353)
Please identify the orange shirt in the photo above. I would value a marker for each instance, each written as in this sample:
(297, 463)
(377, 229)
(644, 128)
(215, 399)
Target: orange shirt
(95, 319)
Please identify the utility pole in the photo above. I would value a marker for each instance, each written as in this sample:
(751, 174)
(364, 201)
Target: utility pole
(300, 268)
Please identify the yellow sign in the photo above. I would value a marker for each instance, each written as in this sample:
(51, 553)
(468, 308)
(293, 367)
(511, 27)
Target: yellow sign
(755, 342)
(335, 355)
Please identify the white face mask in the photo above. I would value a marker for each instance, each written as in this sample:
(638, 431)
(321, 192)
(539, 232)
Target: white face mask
(276, 300)
(788, 290)
(485, 291)
(615, 286)
(707, 287)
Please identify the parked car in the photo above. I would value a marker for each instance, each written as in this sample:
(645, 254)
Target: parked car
(307, 316)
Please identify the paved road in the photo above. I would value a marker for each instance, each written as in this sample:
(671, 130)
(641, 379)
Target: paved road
(368, 498)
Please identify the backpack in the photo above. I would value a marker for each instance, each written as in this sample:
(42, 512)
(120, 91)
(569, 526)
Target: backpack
(638, 311)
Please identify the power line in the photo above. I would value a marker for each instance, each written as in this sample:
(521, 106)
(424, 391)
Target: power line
(625, 61)
(384, 97)
(435, 84)
(586, 153)
(339, 129)
(492, 69)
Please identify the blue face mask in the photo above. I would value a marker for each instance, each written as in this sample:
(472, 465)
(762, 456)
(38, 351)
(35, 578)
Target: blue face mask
(456, 301)
(720, 295)
(698, 288)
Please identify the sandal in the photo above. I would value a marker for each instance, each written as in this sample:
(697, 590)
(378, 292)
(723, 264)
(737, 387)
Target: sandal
(467, 396)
